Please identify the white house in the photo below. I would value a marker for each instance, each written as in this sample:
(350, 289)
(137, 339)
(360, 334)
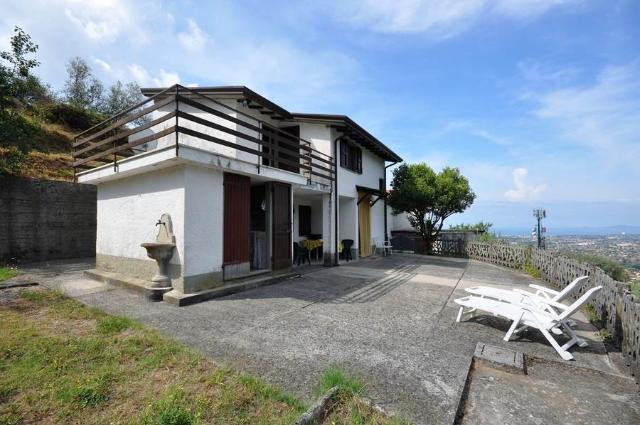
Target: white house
(242, 178)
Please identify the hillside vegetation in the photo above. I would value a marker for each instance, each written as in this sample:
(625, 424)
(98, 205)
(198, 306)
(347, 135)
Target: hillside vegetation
(38, 124)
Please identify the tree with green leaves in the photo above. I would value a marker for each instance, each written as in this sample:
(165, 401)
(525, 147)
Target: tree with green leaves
(429, 198)
(82, 89)
(18, 87)
(121, 96)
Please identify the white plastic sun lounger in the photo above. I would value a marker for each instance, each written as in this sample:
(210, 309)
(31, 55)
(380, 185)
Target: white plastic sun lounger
(514, 296)
(523, 316)
(558, 296)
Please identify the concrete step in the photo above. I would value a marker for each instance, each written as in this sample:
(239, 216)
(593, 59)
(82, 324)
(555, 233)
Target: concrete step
(116, 279)
(239, 285)
(180, 299)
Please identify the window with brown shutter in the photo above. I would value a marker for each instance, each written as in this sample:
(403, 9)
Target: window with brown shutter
(350, 156)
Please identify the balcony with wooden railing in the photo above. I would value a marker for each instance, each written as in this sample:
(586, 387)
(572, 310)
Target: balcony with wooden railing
(183, 117)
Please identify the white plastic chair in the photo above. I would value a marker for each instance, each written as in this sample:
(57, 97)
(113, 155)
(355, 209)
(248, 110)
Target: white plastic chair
(385, 247)
(523, 315)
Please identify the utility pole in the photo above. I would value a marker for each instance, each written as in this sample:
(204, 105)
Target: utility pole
(539, 215)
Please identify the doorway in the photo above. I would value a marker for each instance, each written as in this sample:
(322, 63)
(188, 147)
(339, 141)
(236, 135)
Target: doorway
(281, 228)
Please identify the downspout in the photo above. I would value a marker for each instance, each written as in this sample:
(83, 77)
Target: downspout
(386, 233)
(335, 197)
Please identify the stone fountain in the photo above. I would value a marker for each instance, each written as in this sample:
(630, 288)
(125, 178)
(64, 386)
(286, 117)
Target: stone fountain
(161, 250)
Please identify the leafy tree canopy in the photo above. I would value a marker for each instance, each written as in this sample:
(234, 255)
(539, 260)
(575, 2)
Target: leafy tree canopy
(82, 89)
(428, 198)
(18, 87)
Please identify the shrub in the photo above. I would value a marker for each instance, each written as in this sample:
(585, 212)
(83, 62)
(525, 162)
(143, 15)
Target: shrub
(72, 116)
(13, 161)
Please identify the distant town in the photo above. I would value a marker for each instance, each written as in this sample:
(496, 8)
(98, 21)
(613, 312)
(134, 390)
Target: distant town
(623, 248)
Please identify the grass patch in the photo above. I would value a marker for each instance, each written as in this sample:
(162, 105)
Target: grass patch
(63, 362)
(7, 273)
(635, 288)
(355, 411)
(338, 377)
(114, 324)
(532, 270)
(349, 406)
(116, 371)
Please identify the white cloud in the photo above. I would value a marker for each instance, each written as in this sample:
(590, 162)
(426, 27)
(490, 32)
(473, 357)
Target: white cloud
(195, 38)
(473, 130)
(523, 190)
(440, 18)
(537, 72)
(144, 79)
(102, 21)
(104, 65)
(604, 116)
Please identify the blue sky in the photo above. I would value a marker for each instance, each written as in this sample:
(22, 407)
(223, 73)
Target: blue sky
(536, 101)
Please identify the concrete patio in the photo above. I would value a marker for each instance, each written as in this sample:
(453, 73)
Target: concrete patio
(391, 320)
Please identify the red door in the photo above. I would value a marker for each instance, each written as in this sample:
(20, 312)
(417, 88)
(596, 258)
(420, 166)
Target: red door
(281, 226)
(237, 216)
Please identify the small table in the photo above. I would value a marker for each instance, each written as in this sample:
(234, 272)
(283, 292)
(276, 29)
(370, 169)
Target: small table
(311, 245)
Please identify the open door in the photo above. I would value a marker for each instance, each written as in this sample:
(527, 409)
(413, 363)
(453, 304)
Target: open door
(237, 223)
(281, 226)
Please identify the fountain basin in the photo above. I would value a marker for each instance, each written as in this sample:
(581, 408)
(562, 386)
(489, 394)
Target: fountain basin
(159, 250)
(160, 283)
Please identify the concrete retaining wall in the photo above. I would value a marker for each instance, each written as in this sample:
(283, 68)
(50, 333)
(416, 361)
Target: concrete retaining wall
(46, 220)
(618, 308)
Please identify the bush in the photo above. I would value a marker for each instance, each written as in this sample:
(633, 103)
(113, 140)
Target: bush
(13, 161)
(72, 116)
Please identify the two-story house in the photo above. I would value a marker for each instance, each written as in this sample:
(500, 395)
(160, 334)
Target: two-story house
(242, 178)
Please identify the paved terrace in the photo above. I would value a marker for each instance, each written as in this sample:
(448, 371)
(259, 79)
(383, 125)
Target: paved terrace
(391, 320)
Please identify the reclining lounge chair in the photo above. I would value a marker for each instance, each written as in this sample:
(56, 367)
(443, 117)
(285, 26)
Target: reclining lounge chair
(523, 315)
(515, 295)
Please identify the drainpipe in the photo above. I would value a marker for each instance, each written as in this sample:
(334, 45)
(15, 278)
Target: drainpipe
(335, 197)
(386, 234)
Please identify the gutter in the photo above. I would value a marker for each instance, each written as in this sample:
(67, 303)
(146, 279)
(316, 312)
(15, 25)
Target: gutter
(386, 232)
(335, 197)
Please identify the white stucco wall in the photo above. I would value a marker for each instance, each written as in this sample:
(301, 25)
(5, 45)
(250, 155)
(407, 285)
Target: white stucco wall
(252, 118)
(318, 134)
(372, 172)
(129, 208)
(348, 219)
(204, 220)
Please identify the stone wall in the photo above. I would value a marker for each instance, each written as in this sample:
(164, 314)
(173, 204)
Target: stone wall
(46, 220)
(618, 308)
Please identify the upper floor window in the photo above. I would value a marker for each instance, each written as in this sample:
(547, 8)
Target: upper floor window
(350, 156)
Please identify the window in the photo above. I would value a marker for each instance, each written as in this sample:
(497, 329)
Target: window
(350, 156)
(304, 220)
